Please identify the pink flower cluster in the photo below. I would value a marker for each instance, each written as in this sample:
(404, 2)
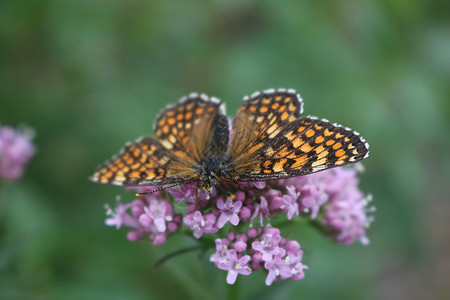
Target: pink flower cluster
(16, 150)
(259, 248)
(248, 214)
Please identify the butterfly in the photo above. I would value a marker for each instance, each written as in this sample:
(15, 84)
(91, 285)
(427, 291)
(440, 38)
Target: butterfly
(269, 139)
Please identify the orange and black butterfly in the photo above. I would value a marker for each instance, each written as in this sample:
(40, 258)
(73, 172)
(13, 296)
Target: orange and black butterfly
(269, 140)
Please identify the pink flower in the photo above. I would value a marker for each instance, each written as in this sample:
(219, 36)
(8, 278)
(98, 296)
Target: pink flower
(16, 150)
(287, 203)
(277, 267)
(261, 210)
(228, 212)
(268, 246)
(221, 254)
(158, 212)
(201, 224)
(348, 220)
(186, 192)
(235, 266)
(119, 216)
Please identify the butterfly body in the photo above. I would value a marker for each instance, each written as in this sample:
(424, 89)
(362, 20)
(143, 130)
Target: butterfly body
(269, 140)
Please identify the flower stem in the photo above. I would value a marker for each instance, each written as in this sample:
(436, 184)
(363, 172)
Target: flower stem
(233, 291)
(173, 254)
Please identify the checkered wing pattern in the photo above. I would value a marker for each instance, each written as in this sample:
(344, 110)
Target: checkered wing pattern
(287, 145)
(144, 162)
(260, 118)
(187, 127)
(183, 132)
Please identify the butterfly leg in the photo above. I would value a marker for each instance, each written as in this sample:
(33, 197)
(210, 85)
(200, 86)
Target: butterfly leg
(197, 200)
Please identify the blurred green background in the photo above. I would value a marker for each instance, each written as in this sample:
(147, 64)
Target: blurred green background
(90, 75)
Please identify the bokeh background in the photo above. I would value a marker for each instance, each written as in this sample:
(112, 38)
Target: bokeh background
(90, 75)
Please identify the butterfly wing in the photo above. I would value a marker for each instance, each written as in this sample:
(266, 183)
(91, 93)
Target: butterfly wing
(297, 147)
(144, 162)
(260, 118)
(183, 132)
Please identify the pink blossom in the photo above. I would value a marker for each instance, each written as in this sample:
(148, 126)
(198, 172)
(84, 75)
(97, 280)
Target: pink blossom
(16, 150)
(228, 212)
(201, 224)
(235, 266)
(268, 246)
(119, 216)
(287, 203)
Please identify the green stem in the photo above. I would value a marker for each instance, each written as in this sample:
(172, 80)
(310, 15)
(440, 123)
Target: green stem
(173, 254)
(233, 291)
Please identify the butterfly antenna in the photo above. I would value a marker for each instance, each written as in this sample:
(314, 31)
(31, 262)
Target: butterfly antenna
(157, 190)
(165, 187)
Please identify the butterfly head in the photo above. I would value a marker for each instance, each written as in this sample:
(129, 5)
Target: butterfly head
(211, 170)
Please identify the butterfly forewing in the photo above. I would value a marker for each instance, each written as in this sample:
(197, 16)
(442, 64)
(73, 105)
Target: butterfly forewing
(183, 132)
(305, 146)
(186, 127)
(260, 118)
(144, 162)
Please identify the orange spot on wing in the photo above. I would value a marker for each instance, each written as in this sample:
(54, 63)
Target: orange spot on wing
(322, 154)
(330, 142)
(306, 148)
(319, 139)
(256, 147)
(267, 163)
(340, 152)
(319, 162)
(299, 162)
(337, 146)
(291, 108)
(135, 174)
(327, 132)
(266, 101)
(297, 142)
(279, 165)
(309, 133)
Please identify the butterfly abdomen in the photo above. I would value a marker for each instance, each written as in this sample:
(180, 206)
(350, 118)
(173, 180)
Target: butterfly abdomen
(220, 135)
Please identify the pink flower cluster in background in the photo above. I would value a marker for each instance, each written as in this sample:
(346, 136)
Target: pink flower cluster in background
(16, 150)
(247, 216)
